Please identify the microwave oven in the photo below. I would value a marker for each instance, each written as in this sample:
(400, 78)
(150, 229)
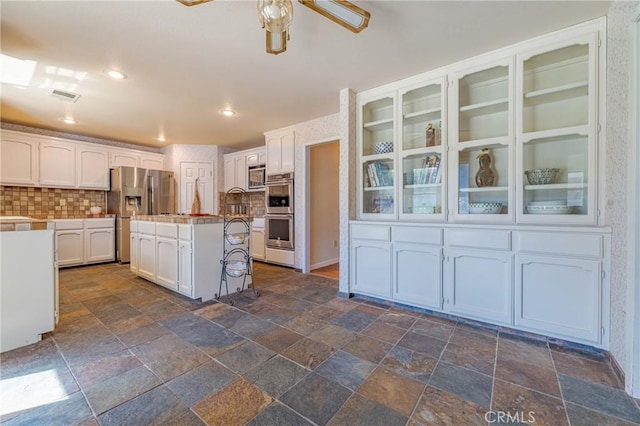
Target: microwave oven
(256, 177)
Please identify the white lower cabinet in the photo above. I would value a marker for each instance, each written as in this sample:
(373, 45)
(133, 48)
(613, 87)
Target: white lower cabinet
(167, 262)
(257, 244)
(134, 252)
(147, 256)
(84, 241)
(417, 275)
(371, 273)
(480, 285)
(559, 295)
(185, 268)
(70, 247)
(99, 245)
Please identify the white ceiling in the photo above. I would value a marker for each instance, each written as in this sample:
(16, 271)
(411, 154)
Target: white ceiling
(185, 64)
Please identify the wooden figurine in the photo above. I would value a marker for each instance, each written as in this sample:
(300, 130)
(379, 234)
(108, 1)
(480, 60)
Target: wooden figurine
(431, 135)
(485, 175)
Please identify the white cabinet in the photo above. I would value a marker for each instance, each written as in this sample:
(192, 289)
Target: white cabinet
(235, 171)
(123, 158)
(417, 275)
(280, 145)
(371, 260)
(57, 164)
(99, 245)
(257, 157)
(167, 262)
(258, 244)
(70, 246)
(151, 161)
(559, 284)
(18, 160)
(92, 167)
(134, 251)
(147, 256)
(129, 158)
(185, 268)
(84, 241)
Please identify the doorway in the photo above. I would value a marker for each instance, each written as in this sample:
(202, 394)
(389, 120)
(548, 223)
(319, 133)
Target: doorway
(191, 171)
(324, 229)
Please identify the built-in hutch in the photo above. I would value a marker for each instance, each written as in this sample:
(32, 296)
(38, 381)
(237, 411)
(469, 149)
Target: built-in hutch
(480, 189)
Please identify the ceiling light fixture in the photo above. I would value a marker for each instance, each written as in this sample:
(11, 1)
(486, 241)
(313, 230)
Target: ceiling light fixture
(115, 74)
(161, 139)
(228, 112)
(69, 120)
(275, 16)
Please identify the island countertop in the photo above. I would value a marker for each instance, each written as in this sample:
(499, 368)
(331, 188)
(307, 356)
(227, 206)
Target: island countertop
(184, 219)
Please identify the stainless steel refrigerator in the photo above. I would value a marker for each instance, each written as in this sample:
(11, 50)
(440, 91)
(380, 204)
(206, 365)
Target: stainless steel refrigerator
(134, 192)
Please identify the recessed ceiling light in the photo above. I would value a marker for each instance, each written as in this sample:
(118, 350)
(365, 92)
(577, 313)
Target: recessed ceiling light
(115, 74)
(161, 138)
(228, 112)
(69, 120)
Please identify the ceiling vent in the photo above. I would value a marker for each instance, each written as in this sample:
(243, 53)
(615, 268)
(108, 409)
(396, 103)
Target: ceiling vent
(64, 96)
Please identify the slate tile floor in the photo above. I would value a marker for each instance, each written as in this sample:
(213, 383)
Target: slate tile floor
(127, 352)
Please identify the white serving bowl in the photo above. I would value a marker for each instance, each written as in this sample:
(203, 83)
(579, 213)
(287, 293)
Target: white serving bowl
(485, 208)
(95, 210)
(542, 176)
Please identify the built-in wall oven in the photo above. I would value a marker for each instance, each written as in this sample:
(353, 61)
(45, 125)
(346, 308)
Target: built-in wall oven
(279, 231)
(279, 222)
(279, 193)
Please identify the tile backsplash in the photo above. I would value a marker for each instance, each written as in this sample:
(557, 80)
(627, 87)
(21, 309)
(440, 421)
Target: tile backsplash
(49, 203)
(256, 199)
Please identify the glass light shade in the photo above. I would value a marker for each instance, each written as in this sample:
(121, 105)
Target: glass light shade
(275, 15)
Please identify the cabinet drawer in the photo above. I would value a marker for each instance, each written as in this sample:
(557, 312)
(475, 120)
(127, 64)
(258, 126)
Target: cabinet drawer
(580, 245)
(169, 230)
(98, 223)
(63, 224)
(494, 239)
(185, 232)
(371, 232)
(146, 227)
(414, 234)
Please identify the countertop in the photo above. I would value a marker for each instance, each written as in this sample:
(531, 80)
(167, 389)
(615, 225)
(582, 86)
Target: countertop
(180, 218)
(25, 223)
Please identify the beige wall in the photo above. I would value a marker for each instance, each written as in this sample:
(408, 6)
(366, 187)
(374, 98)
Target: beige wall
(323, 194)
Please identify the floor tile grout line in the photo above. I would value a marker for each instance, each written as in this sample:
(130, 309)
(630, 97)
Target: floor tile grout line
(493, 378)
(555, 370)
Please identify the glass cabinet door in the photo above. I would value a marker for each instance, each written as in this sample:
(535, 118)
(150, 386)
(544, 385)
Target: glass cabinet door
(556, 133)
(377, 153)
(482, 143)
(423, 160)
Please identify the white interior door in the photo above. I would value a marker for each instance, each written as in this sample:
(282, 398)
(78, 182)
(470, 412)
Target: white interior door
(189, 172)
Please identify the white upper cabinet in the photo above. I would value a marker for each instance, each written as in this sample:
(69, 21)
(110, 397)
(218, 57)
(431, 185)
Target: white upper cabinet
(151, 161)
(92, 165)
(57, 164)
(556, 104)
(481, 136)
(124, 159)
(235, 171)
(377, 148)
(280, 146)
(18, 160)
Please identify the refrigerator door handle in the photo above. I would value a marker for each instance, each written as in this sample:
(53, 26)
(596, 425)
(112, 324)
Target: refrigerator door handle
(150, 196)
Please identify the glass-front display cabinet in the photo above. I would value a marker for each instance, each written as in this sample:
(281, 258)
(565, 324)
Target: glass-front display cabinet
(556, 133)
(377, 147)
(482, 143)
(422, 156)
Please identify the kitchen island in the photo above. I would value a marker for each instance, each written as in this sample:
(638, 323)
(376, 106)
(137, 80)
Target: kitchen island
(182, 253)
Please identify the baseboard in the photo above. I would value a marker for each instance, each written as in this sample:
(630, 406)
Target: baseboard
(618, 371)
(323, 264)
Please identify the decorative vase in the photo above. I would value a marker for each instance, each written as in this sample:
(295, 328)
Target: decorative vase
(485, 175)
(195, 206)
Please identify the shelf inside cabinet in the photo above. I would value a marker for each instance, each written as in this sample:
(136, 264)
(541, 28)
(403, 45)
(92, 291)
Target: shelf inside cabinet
(377, 125)
(418, 115)
(556, 186)
(485, 108)
(378, 188)
(533, 137)
(555, 94)
(424, 185)
(486, 189)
